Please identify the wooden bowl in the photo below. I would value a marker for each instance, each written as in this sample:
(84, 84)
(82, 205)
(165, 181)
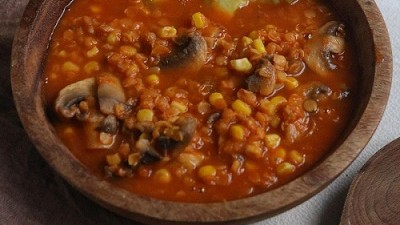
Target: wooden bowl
(29, 52)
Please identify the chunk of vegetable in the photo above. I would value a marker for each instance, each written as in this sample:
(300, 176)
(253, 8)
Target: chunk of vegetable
(241, 107)
(144, 115)
(242, 65)
(237, 132)
(229, 7)
(199, 20)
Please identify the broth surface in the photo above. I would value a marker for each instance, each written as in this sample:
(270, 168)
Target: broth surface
(244, 110)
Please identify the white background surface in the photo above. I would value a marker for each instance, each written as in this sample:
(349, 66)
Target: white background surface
(326, 207)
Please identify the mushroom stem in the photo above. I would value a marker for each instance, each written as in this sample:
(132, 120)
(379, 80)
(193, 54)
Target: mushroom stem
(109, 93)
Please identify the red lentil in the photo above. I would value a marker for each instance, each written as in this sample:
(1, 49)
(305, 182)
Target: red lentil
(243, 138)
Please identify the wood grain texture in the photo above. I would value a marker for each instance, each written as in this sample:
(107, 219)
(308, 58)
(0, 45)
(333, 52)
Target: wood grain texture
(374, 196)
(30, 49)
(10, 13)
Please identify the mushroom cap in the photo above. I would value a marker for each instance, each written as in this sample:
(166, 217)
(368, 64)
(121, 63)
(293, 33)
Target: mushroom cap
(190, 51)
(263, 79)
(177, 135)
(70, 96)
(319, 49)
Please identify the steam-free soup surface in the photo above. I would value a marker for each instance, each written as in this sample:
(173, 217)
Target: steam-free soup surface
(199, 101)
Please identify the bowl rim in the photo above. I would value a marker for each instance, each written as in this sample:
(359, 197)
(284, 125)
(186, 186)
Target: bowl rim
(150, 210)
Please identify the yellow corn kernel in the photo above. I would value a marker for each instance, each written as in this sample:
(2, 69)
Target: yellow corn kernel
(113, 38)
(70, 67)
(92, 52)
(278, 156)
(127, 50)
(145, 115)
(296, 157)
(253, 151)
(207, 172)
(153, 79)
(259, 45)
(291, 83)
(167, 32)
(91, 67)
(113, 160)
(237, 132)
(241, 107)
(276, 101)
(285, 168)
(272, 141)
(163, 176)
(246, 41)
(179, 106)
(242, 65)
(199, 20)
(215, 97)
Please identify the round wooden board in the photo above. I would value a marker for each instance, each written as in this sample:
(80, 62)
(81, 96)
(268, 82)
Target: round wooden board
(374, 196)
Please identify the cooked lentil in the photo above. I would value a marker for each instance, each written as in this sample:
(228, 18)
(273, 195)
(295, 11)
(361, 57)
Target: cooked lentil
(227, 114)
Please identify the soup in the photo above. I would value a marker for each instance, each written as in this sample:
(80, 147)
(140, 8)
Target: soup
(199, 101)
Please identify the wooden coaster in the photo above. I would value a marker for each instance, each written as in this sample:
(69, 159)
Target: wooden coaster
(374, 196)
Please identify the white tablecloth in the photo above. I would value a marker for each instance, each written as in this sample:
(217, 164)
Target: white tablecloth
(326, 207)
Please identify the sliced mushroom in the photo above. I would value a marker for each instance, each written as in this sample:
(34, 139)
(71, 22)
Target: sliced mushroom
(109, 93)
(321, 47)
(263, 79)
(175, 136)
(109, 125)
(147, 154)
(190, 52)
(69, 98)
(166, 136)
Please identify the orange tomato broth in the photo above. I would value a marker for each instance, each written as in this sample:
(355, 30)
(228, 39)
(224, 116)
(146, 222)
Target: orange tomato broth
(303, 17)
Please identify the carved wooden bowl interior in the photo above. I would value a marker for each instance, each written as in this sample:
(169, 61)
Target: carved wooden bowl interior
(375, 59)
